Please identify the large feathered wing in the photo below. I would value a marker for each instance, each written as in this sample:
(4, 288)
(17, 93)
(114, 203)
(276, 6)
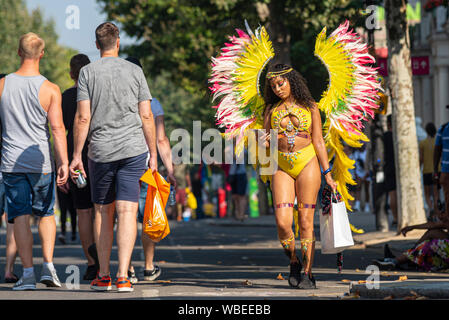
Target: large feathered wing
(235, 84)
(351, 97)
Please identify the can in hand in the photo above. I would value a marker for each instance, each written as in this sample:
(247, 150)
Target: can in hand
(80, 181)
(172, 197)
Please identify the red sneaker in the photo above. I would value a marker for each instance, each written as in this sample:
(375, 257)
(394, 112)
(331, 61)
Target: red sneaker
(101, 284)
(124, 285)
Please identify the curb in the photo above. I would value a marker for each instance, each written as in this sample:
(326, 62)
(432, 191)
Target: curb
(372, 239)
(432, 289)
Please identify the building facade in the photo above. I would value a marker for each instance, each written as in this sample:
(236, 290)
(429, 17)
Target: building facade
(429, 35)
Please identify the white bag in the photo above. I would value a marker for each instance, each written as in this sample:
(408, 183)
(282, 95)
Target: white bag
(335, 232)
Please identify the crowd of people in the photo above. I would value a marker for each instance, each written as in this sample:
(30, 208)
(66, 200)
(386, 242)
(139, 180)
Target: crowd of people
(364, 176)
(109, 129)
(109, 105)
(106, 128)
(430, 252)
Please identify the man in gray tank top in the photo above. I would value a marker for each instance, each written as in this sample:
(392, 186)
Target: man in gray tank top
(114, 114)
(28, 102)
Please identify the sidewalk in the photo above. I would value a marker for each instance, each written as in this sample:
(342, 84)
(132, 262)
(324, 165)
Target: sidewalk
(421, 286)
(223, 258)
(361, 220)
(412, 289)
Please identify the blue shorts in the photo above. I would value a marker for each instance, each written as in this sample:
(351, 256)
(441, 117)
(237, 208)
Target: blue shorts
(142, 200)
(117, 180)
(29, 193)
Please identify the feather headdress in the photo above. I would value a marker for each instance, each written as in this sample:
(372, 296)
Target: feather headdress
(235, 79)
(350, 99)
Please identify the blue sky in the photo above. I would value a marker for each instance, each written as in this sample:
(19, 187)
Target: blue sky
(90, 16)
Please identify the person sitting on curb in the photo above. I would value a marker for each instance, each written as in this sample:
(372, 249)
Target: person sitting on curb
(428, 254)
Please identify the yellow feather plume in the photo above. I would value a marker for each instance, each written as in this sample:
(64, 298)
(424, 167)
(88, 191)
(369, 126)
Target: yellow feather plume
(349, 99)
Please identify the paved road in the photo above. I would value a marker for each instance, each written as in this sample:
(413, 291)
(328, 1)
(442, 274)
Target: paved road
(211, 259)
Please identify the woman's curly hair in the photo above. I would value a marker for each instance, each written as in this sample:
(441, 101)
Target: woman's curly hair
(298, 86)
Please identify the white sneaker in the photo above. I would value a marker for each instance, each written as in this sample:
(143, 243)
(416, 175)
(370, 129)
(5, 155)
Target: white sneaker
(49, 277)
(357, 205)
(28, 283)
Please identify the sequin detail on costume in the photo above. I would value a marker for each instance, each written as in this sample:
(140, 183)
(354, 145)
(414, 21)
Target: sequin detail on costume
(290, 157)
(301, 114)
(306, 206)
(284, 205)
(291, 131)
(286, 243)
(304, 248)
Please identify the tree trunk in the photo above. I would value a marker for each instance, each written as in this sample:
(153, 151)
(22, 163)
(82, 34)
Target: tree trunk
(408, 178)
(279, 33)
(273, 13)
(280, 37)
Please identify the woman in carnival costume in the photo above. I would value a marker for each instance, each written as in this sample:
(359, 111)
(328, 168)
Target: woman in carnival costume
(292, 112)
(304, 143)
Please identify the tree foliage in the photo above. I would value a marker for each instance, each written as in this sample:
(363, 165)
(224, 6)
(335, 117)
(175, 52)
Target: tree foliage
(179, 105)
(178, 37)
(15, 20)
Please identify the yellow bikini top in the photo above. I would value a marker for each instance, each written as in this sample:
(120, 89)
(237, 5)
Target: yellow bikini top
(304, 117)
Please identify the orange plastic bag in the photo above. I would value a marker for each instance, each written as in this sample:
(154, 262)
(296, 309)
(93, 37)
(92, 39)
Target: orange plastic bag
(155, 222)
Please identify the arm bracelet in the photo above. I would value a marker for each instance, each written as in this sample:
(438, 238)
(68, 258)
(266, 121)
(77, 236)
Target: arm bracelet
(327, 171)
